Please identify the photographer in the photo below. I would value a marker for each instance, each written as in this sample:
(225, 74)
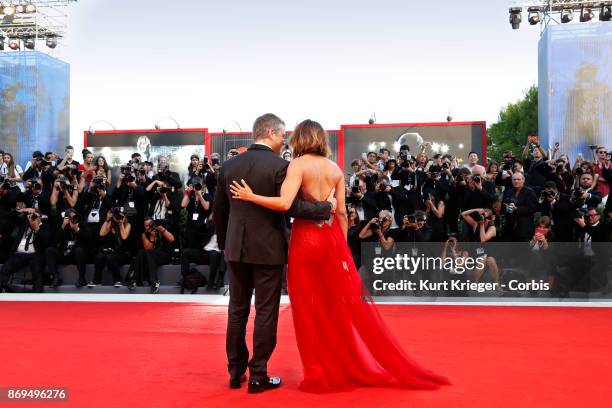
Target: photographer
(535, 167)
(64, 195)
(207, 254)
(363, 200)
(420, 233)
(113, 253)
(482, 229)
(197, 202)
(355, 225)
(11, 171)
(435, 216)
(519, 205)
(68, 250)
(558, 208)
(95, 202)
(68, 161)
(163, 204)
(595, 238)
(38, 167)
(156, 241)
(130, 194)
(166, 175)
(585, 195)
(378, 229)
(28, 248)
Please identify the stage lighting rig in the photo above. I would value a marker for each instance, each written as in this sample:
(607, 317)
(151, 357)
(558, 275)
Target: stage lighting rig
(158, 126)
(51, 42)
(515, 17)
(605, 12)
(534, 15)
(29, 43)
(34, 20)
(586, 14)
(544, 12)
(14, 44)
(566, 16)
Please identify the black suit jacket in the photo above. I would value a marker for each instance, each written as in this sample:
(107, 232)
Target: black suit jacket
(41, 239)
(250, 233)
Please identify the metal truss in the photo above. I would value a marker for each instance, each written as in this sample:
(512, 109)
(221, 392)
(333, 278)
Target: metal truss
(49, 20)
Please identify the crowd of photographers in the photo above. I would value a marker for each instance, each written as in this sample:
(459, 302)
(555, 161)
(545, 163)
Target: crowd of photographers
(59, 211)
(531, 200)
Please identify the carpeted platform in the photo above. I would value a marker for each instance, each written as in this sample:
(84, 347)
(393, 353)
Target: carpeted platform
(173, 355)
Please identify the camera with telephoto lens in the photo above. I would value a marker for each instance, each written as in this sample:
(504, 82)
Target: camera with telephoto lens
(163, 190)
(197, 183)
(118, 214)
(382, 187)
(97, 180)
(355, 188)
(476, 216)
(510, 209)
(477, 179)
(74, 217)
(375, 226)
(579, 171)
(64, 183)
(545, 194)
(163, 173)
(42, 162)
(577, 193)
(445, 166)
(158, 223)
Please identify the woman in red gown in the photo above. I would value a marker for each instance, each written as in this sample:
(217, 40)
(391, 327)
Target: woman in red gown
(342, 339)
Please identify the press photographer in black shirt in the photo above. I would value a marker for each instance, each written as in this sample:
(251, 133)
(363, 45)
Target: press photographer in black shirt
(156, 242)
(63, 196)
(130, 194)
(69, 249)
(113, 251)
(519, 205)
(164, 202)
(198, 204)
(558, 208)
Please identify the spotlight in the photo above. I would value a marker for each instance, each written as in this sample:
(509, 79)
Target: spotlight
(566, 16)
(605, 12)
(383, 144)
(534, 15)
(14, 44)
(372, 119)
(435, 147)
(51, 42)
(444, 148)
(29, 43)
(9, 9)
(461, 146)
(30, 8)
(586, 14)
(396, 146)
(515, 17)
(371, 147)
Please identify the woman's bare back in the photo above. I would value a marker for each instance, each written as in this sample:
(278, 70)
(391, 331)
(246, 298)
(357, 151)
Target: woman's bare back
(319, 177)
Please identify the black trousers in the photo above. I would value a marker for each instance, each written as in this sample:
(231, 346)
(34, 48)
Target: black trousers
(17, 261)
(198, 256)
(54, 256)
(111, 261)
(147, 262)
(266, 280)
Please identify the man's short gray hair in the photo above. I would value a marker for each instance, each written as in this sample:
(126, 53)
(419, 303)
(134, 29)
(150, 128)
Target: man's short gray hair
(266, 122)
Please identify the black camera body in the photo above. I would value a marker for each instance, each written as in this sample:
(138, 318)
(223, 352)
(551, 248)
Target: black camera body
(118, 214)
(477, 179)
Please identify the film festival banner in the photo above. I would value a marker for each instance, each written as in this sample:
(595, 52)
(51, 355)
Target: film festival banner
(470, 269)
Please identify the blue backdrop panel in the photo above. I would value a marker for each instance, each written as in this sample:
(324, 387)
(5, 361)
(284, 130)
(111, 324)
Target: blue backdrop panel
(34, 104)
(575, 87)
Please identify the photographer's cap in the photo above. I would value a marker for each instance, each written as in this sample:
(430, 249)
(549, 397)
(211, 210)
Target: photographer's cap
(37, 154)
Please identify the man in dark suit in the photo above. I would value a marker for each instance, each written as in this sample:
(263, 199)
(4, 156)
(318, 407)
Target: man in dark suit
(29, 245)
(255, 242)
(519, 205)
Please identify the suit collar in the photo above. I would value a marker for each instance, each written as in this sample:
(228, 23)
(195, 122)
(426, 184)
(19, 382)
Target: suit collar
(260, 146)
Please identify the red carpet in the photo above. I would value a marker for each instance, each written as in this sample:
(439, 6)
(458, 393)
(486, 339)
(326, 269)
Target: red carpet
(172, 355)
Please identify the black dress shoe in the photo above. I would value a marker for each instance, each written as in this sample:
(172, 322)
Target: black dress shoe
(271, 383)
(234, 383)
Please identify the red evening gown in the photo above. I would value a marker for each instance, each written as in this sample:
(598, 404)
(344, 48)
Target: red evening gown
(342, 339)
